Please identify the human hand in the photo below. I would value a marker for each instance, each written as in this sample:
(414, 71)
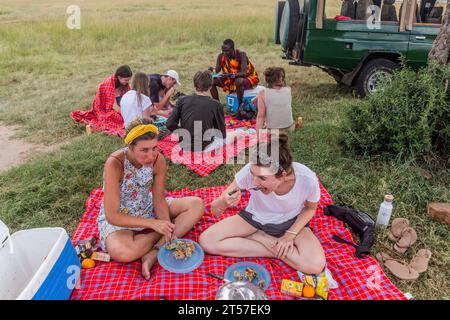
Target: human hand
(285, 245)
(169, 238)
(231, 198)
(163, 227)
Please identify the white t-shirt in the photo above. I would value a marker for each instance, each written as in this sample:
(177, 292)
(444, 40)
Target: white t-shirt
(130, 108)
(275, 209)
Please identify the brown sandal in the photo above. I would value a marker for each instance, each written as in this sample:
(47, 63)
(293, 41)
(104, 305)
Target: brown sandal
(397, 227)
(407, 239)
(420, 260)
(398, 268)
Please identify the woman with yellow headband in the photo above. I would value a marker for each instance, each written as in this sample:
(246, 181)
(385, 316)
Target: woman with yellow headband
(134, 221)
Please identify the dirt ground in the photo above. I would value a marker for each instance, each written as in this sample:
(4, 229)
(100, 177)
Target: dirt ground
(15, 151)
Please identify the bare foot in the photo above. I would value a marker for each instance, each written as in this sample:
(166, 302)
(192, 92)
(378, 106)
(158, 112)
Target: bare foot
(147, 263)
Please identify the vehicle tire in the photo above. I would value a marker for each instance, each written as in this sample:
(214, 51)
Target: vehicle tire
(289, 24)
(365, 82)
(278, 13)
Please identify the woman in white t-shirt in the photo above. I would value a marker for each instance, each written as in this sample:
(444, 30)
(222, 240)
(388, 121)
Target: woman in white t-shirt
(275, 222)
(136, 102)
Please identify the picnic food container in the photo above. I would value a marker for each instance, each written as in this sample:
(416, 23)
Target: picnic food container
(240, 290)
(37, 264)
(232, 100)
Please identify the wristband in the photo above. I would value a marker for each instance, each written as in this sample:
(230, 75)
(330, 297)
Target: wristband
(292, 232)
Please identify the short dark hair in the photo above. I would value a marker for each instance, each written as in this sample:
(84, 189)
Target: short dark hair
(228, 42)
(203, 80)
(275, 76)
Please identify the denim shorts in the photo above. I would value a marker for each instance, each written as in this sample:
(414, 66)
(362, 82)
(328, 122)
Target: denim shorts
(275, 230)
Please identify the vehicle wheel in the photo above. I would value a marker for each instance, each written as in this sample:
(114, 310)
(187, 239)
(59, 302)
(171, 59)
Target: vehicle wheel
(366, 82)
(278, 13)
(289, 24)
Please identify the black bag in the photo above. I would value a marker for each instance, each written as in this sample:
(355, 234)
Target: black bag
(359, 222)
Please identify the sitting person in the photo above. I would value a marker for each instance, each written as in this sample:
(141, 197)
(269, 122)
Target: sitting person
(238, 73)
(198, 113)
(136, 102)
(129, 209)
(275, 223)
(274, 103)
(106, 105)
(162, 88)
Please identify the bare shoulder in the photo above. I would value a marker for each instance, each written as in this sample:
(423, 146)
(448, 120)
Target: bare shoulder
(115, 161)
(160, 164)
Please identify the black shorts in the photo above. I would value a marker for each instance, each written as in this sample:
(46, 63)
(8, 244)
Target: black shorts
(275, 230)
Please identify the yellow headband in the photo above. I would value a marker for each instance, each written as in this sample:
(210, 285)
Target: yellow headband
(140, 130)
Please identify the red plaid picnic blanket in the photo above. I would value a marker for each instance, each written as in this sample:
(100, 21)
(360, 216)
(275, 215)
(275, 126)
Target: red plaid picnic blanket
(232, 123)
(203, 163)
(357, 278)
(101, 117)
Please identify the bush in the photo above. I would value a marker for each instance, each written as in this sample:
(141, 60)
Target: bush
(409, 116)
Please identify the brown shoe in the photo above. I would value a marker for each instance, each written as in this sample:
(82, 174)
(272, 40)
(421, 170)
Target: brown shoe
(397, 227)
(398, 267)
(407, 239)
(420, 260)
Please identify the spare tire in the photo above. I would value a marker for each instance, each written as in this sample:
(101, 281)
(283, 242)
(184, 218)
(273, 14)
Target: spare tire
(278, 13)
(289, 24)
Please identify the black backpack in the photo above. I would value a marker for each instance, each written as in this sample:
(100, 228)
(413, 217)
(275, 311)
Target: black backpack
(359, 222)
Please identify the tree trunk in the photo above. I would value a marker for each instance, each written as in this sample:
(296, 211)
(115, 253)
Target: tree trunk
(441, 45)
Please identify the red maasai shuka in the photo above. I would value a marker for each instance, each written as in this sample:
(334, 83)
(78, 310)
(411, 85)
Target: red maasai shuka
(203, 163)
(232, 123)
(102, 117)
(357, 278)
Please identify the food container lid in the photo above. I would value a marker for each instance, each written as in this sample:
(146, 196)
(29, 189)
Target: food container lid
(240, 290)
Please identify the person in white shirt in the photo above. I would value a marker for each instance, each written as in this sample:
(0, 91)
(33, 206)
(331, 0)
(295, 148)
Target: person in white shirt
(136, 102)
(283, 199)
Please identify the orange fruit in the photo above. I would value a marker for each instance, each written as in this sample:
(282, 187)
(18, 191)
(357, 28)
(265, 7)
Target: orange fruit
(88, 263)
(308, 291)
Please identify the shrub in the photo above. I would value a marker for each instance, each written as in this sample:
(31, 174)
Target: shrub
(409, 116)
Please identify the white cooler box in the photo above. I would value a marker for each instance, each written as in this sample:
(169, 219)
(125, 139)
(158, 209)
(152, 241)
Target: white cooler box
(232, 100)
(37, 264)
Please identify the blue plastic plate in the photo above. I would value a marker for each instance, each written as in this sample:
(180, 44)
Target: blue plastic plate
(262, 272)
(168, 262)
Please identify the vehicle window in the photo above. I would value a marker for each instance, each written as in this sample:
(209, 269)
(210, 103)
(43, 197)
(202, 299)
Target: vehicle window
(430, 11)
(384, 10)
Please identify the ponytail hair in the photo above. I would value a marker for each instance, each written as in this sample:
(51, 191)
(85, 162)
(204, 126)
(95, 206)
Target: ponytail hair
(275, 76)
(141, 85)
(275, 154)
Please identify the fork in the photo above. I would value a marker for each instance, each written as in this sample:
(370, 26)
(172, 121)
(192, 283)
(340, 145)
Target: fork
(242, 190)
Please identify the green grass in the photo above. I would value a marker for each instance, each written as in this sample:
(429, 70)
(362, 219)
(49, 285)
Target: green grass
(46, 71)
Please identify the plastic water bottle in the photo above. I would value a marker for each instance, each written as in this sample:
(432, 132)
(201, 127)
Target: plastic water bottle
(384, 214)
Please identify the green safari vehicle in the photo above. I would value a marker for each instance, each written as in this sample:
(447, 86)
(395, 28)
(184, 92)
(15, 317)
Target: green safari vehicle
(356, 41)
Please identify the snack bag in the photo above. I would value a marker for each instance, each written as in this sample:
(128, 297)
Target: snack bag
(318, 282)
(322, 286)
(292, 288)
(307, 279)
